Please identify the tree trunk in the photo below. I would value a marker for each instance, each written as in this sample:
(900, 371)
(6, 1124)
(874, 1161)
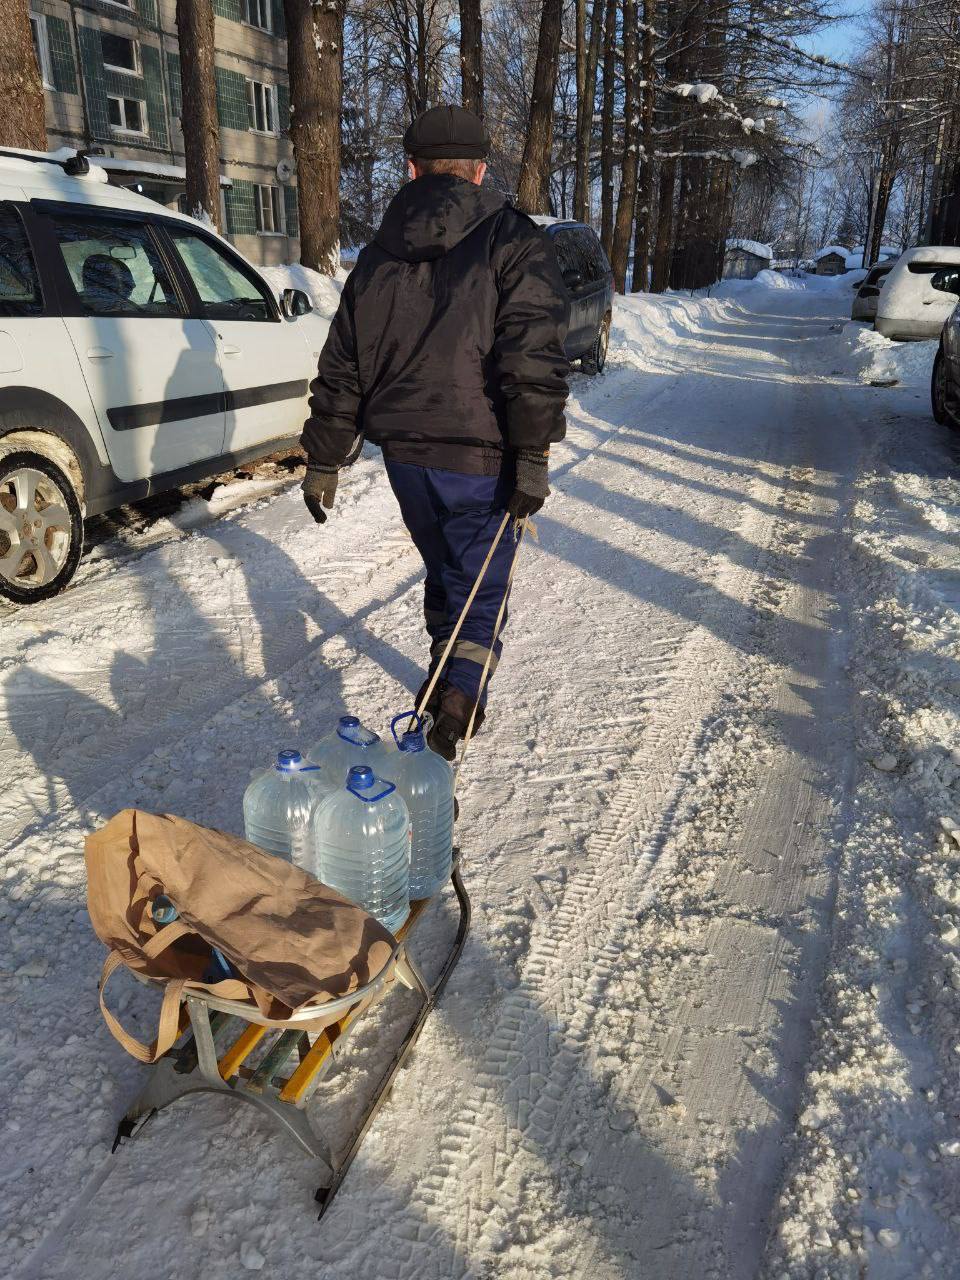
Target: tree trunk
(586, 104)
(533, 192)
(198, 118)
(471, 56)
(663, 252)
(315, 65)
(606, 125)
(643, 234)
(627, 199)
(21, 87)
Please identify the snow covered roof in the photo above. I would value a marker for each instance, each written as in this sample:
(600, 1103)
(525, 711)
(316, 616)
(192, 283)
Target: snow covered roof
(840, 250)
(855, 256)
(752, 246)
(149, 169)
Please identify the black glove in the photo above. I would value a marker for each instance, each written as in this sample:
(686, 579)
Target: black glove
(531, 484)
(319, 490)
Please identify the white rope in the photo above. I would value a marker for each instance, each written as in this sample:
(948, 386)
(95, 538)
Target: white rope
(463, 614)
(486, 666)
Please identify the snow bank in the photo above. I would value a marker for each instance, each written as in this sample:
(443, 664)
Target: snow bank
(870, 357)
(872, 1187)
(763, 280)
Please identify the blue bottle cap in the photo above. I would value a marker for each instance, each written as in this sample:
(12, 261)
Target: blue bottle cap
(349, 722)
(360, 777)
(413, 741)
(289, 759)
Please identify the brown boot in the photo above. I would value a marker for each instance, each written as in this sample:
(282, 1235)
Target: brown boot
(450, 726)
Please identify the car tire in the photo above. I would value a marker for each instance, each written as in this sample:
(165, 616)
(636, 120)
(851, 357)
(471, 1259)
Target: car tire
(938, 390)
(41, 528)
(594, 361)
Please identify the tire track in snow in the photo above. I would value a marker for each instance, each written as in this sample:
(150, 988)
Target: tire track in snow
(514, 1115)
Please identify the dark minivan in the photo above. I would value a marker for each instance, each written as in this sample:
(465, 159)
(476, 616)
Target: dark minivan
(589, 281)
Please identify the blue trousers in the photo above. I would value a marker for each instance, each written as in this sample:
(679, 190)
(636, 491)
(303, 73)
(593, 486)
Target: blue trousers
(453, 519)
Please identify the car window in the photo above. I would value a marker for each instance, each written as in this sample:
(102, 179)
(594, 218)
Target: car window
(116, 267)
(226, 292)
(593, 254)
(574, 253)
(19, 287)
(566, 250)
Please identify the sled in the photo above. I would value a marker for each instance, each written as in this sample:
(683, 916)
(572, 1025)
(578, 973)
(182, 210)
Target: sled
(217, 1037)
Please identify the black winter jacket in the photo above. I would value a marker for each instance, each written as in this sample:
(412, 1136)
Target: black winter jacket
(447, 345)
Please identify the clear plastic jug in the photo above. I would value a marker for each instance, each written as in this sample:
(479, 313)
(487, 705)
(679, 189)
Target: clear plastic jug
(348, 744)
(277, 806)
(425, 780)
(361, 845)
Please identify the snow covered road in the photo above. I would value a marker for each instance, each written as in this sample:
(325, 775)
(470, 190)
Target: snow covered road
(652, 821)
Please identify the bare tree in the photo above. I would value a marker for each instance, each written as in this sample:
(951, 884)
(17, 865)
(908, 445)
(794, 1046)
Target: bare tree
(627, 199)
(198, 117)
(471, 55)
(315, 65)
(586, 106)
(21, 87)
(533, 192)
(607, 125)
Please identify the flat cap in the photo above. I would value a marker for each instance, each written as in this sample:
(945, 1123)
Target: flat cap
(447, 133)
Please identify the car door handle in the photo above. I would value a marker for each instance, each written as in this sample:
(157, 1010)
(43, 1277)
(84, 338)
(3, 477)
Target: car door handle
(229, 350)
(99, 353)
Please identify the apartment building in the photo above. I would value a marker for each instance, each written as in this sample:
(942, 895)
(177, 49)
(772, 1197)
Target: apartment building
(111, 73)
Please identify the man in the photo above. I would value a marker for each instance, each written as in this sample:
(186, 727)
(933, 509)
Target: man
(447, 351)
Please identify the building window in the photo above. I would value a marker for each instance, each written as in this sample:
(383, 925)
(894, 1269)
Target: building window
(262, 106)
(120, 53)
(259, 14)
(269, 211)
(127, 115)
(41, 45)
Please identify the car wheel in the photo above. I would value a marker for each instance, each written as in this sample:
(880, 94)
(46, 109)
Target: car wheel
(938, 389)
(41, 528)
(597, 358)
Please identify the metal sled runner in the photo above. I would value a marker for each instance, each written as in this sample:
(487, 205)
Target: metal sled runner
(221, 1035)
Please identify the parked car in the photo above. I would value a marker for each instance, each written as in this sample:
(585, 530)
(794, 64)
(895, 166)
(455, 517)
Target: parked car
(139, 351)
(589, 282)
(909, 308)
(868, 292)
(945, 379)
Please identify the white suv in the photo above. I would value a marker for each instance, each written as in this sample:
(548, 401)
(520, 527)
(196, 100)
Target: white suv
(138, 352)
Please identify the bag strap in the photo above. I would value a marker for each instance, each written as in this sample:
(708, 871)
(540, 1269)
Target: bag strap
(170, 1009)
(169, 1028)
(169, 1016)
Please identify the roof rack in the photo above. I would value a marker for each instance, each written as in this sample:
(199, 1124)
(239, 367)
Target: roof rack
(74, 166)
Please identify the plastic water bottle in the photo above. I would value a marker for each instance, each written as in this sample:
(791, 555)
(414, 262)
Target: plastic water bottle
(425, 781)
(348, 744)
(361, 845)
(163, 911)
(277, 807)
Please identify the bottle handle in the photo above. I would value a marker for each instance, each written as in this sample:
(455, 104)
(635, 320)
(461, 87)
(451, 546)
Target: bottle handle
(367, 799)
(405, 715)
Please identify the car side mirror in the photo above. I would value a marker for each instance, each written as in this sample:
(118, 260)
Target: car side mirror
(947, 280)
(573, 278)
(294, 302)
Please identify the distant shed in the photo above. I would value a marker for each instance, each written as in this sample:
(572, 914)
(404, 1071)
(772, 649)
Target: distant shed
(744, 259)
(831, 260)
